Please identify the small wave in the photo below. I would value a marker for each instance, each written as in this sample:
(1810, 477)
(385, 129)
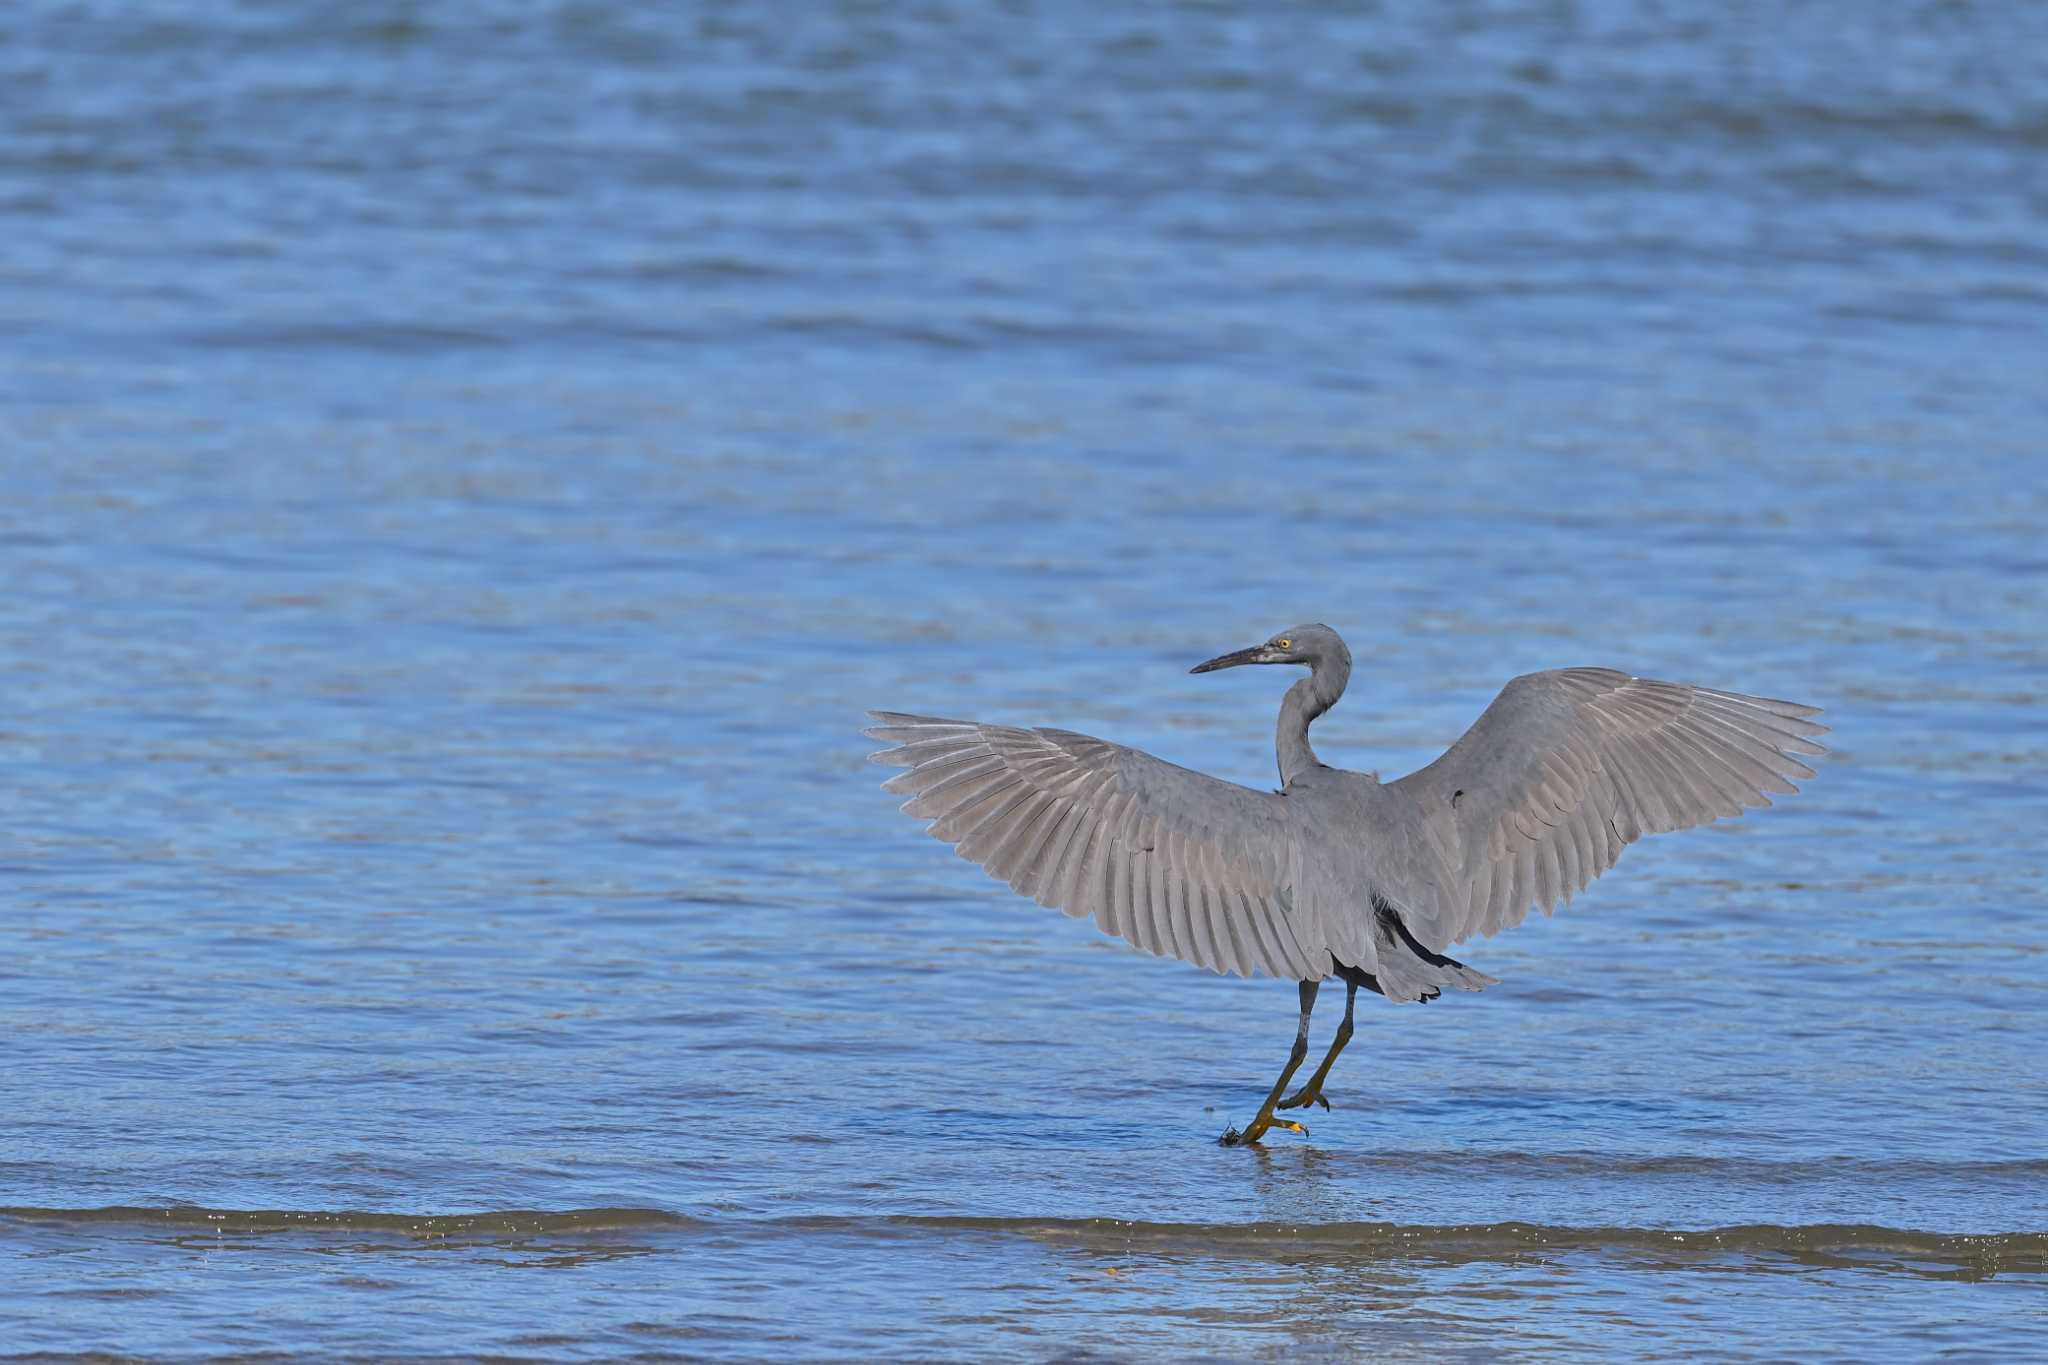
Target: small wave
(1851, 1245)
(2028, 1171)
(511, 1223)
(1770, 120)
(1847, 1245)
(385, 337)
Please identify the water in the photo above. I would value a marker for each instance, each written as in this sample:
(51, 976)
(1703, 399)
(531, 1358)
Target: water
(467, 468)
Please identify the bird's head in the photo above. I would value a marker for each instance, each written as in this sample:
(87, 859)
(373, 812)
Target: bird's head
(1310, 644)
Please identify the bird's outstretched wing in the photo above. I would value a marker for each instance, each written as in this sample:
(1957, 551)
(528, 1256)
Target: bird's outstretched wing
(1176, 862)
(1567, 767)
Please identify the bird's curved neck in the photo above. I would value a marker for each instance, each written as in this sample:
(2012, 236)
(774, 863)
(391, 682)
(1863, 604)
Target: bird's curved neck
(1306, 700)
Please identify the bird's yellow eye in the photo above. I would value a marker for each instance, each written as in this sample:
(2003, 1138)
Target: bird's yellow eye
(1283, 644)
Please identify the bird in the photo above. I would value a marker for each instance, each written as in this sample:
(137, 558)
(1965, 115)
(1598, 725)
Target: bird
(1338, 874)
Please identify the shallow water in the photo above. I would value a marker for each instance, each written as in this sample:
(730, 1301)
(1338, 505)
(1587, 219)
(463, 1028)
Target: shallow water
(469, 469)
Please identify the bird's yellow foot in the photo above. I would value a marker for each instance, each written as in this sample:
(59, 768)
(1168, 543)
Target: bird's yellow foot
(1233, 1138)
(1303, 1098)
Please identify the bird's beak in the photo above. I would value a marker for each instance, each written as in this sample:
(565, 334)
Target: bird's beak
(1253, 655)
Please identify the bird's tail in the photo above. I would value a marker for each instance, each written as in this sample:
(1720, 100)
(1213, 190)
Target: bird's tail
(1409, 971)
(1404, 976)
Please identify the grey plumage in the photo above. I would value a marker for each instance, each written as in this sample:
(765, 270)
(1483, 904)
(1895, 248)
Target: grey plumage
(1338, 873)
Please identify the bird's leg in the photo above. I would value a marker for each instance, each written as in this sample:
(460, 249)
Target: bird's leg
(1312, 1093)
(1258, 1126)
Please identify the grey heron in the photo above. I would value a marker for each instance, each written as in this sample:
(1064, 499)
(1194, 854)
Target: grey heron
(1338, 874)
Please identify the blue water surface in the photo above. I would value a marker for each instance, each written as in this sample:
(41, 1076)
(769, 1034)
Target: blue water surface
(469, 467)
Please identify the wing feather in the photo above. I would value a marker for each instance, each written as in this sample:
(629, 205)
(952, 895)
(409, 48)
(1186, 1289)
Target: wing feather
(1078, 892)
(1013, 840)
(1196, 885)
(1165, 858)
(1266, 944)
(983, 823)
(1229, 907)
(1178, 922)
(1052, 854)
(1120, 917)
(1567, 768)
(1158, 908)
